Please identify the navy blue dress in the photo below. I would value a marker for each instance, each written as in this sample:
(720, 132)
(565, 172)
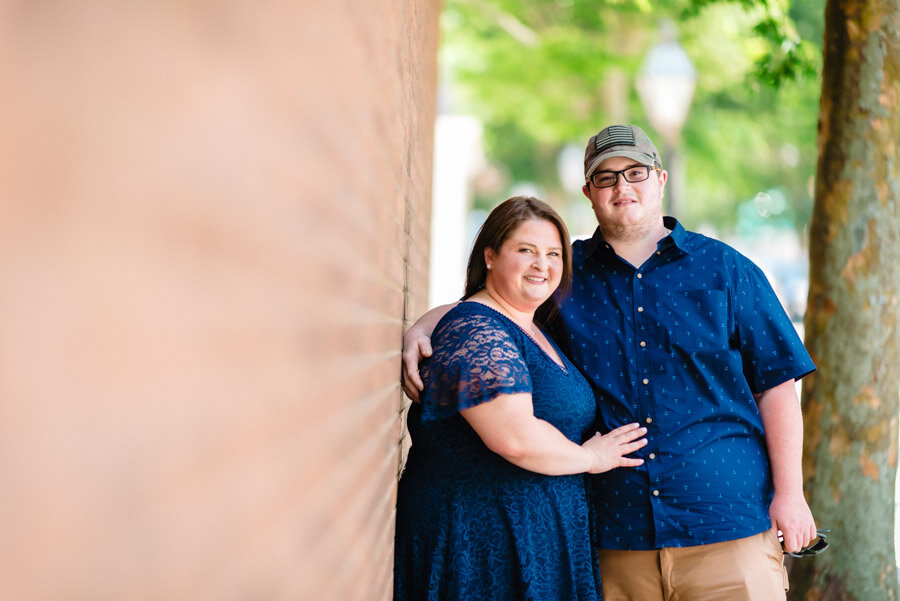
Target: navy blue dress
(470, 524)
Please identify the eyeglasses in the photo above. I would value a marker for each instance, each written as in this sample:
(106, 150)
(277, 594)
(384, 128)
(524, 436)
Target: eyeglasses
(632, 175)
(814, 549)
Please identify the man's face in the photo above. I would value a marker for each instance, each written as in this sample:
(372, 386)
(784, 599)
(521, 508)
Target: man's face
(627, 210)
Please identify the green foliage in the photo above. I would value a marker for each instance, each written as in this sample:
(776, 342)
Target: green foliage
(545, 73)
(791, 59)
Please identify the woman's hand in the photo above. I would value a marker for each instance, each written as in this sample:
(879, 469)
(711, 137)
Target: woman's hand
(610, 449)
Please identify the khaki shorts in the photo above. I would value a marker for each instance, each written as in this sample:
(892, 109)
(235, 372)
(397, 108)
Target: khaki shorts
(747, 569)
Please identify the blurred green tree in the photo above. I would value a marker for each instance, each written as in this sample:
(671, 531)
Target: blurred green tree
(542, 74)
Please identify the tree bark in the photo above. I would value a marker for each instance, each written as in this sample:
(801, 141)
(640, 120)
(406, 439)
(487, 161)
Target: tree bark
(851, 403)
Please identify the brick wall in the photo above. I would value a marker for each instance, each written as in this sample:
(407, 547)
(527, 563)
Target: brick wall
(213, 226)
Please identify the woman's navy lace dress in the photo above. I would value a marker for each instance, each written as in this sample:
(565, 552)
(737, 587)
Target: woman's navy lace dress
(470, 525)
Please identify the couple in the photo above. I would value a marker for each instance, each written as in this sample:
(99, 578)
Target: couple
(679, 346)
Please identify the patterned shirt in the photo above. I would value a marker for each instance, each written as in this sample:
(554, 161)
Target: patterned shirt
(681, 344)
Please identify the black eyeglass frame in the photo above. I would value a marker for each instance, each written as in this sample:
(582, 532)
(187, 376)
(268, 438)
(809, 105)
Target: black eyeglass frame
(622, 172)
(814, 549)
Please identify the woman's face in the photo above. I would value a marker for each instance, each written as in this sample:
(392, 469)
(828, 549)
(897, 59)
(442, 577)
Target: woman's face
(527, 268)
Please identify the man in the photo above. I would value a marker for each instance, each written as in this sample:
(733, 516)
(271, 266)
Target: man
(685, 335)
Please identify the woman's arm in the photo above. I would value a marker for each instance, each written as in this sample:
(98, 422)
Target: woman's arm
(508, 427)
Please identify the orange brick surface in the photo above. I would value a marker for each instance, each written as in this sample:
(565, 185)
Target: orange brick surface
(213, 230)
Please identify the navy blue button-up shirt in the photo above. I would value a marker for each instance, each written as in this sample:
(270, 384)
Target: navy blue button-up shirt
(681, 344)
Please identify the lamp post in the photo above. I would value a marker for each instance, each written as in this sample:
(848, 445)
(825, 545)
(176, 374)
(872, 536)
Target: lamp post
(666, 84)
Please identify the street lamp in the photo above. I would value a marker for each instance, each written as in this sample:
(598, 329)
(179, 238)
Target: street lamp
(666, 84)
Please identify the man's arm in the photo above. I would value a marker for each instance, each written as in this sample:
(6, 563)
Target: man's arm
(417, 346)
(782, 420)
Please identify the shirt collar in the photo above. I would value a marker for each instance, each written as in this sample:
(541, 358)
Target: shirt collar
(677, 237)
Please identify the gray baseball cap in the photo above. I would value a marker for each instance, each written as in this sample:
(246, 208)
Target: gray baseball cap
(619, 141)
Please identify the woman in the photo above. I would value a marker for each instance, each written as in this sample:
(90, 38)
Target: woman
(492, 503)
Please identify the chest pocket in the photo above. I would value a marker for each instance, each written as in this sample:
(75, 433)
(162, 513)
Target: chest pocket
(698, 319)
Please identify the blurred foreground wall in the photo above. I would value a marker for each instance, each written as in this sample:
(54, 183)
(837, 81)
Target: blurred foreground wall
(213, 224)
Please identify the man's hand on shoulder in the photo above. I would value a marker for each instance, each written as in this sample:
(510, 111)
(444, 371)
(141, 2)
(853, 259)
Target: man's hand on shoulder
(416, 346)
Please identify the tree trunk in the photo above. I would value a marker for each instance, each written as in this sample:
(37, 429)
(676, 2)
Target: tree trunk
(851, 403)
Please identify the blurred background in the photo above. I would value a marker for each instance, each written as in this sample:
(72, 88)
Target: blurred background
(729, 94)
(217, 219)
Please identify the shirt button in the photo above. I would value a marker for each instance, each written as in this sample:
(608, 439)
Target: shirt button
(640, 275)
(645, 381)
(640, 309)
(655, 493)
(652, 455)
(643, 343)
(649, 419)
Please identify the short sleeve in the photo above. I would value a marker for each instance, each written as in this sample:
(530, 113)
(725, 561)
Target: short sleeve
(475, 358)
(770, 347)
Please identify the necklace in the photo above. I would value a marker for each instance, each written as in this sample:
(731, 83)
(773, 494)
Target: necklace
(527, 329)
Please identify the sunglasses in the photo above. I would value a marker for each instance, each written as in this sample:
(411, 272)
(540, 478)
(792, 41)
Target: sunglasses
(814, 549)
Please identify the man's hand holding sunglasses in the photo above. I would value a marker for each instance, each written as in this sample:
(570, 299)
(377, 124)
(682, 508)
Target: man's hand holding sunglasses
(792, 519)
(817, 546)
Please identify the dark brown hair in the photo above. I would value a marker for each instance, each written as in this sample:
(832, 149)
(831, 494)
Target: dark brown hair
(498, 226)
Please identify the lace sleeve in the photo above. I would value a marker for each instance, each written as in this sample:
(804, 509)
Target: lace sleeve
(475, 359)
